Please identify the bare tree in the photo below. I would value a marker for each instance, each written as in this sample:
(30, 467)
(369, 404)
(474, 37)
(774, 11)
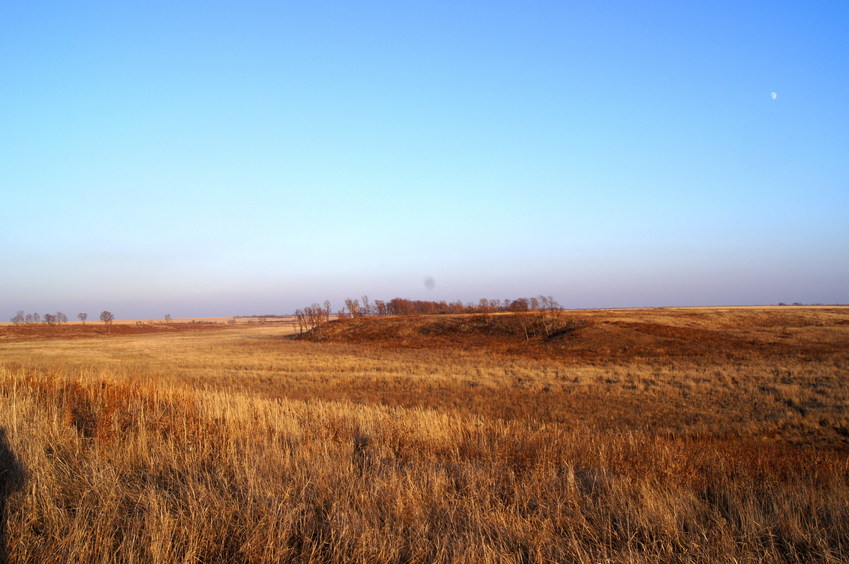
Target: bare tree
(167, 318)
(50, 319)
(19, 318)
(519, 305)
(366, 306)
(380, 307)
(353, 307)
(36, 318)
(312, 317)
(106, 317)
(315, 315)
(82, 317)
(549, 314)
(61, 317)
(301, 319)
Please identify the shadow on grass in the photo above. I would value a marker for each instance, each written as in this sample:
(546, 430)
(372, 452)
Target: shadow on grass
(11, 480)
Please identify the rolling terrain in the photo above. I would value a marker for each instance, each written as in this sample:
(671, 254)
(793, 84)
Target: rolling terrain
(709, 434)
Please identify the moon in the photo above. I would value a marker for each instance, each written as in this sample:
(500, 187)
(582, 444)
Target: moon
(773, 95)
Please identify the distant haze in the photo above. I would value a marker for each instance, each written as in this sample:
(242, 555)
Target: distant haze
(255, 158)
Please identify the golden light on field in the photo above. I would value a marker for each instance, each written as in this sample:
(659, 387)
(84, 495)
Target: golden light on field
(693, 434)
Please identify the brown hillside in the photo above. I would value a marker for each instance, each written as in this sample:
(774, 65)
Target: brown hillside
(719, 333)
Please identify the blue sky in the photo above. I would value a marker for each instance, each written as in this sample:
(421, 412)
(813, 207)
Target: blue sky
(222, 158)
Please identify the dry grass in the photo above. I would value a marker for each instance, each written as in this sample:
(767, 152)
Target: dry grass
(243, 445)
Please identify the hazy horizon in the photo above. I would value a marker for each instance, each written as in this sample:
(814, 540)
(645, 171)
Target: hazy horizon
(228, 159)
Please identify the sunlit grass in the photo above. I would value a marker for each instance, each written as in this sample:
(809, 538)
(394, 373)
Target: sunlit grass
(241, 445)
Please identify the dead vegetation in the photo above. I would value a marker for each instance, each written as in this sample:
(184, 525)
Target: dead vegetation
(614, 335)
(690, 435)
(37, 331)
(491, 331)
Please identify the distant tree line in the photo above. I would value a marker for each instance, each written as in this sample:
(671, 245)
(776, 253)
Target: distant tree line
(49, 318)
(57, 318)
(314, 316)
(263, 316)
(401, 306)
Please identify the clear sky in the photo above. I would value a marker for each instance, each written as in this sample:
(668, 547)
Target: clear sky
(225, 158)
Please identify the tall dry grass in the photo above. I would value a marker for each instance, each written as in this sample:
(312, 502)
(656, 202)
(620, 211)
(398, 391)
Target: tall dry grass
(240, 446)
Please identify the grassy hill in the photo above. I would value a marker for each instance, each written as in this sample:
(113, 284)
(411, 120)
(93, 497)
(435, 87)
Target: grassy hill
(727, 333)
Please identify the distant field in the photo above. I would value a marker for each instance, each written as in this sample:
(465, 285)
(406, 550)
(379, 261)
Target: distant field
(76, 330)
(693, 434)
(160, 321)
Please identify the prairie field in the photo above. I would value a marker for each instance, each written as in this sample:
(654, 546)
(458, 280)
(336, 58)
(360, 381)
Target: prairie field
(674, 435)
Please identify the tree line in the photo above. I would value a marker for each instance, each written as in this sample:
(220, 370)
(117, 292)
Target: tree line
(401, 306)
(313, 316)
(57, 318)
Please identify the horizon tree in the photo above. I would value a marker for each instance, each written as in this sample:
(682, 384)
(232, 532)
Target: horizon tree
(61, 317)
(301, 318)
(312, 317)
(518, 305)
(106, 317)
(353, 307)
(82, 317)
(380, 306)
(549, 303)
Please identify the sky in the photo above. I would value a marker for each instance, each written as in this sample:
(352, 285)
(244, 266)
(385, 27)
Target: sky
(233, 158)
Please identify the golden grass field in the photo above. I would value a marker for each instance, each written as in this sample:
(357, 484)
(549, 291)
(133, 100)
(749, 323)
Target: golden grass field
(675, 435)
